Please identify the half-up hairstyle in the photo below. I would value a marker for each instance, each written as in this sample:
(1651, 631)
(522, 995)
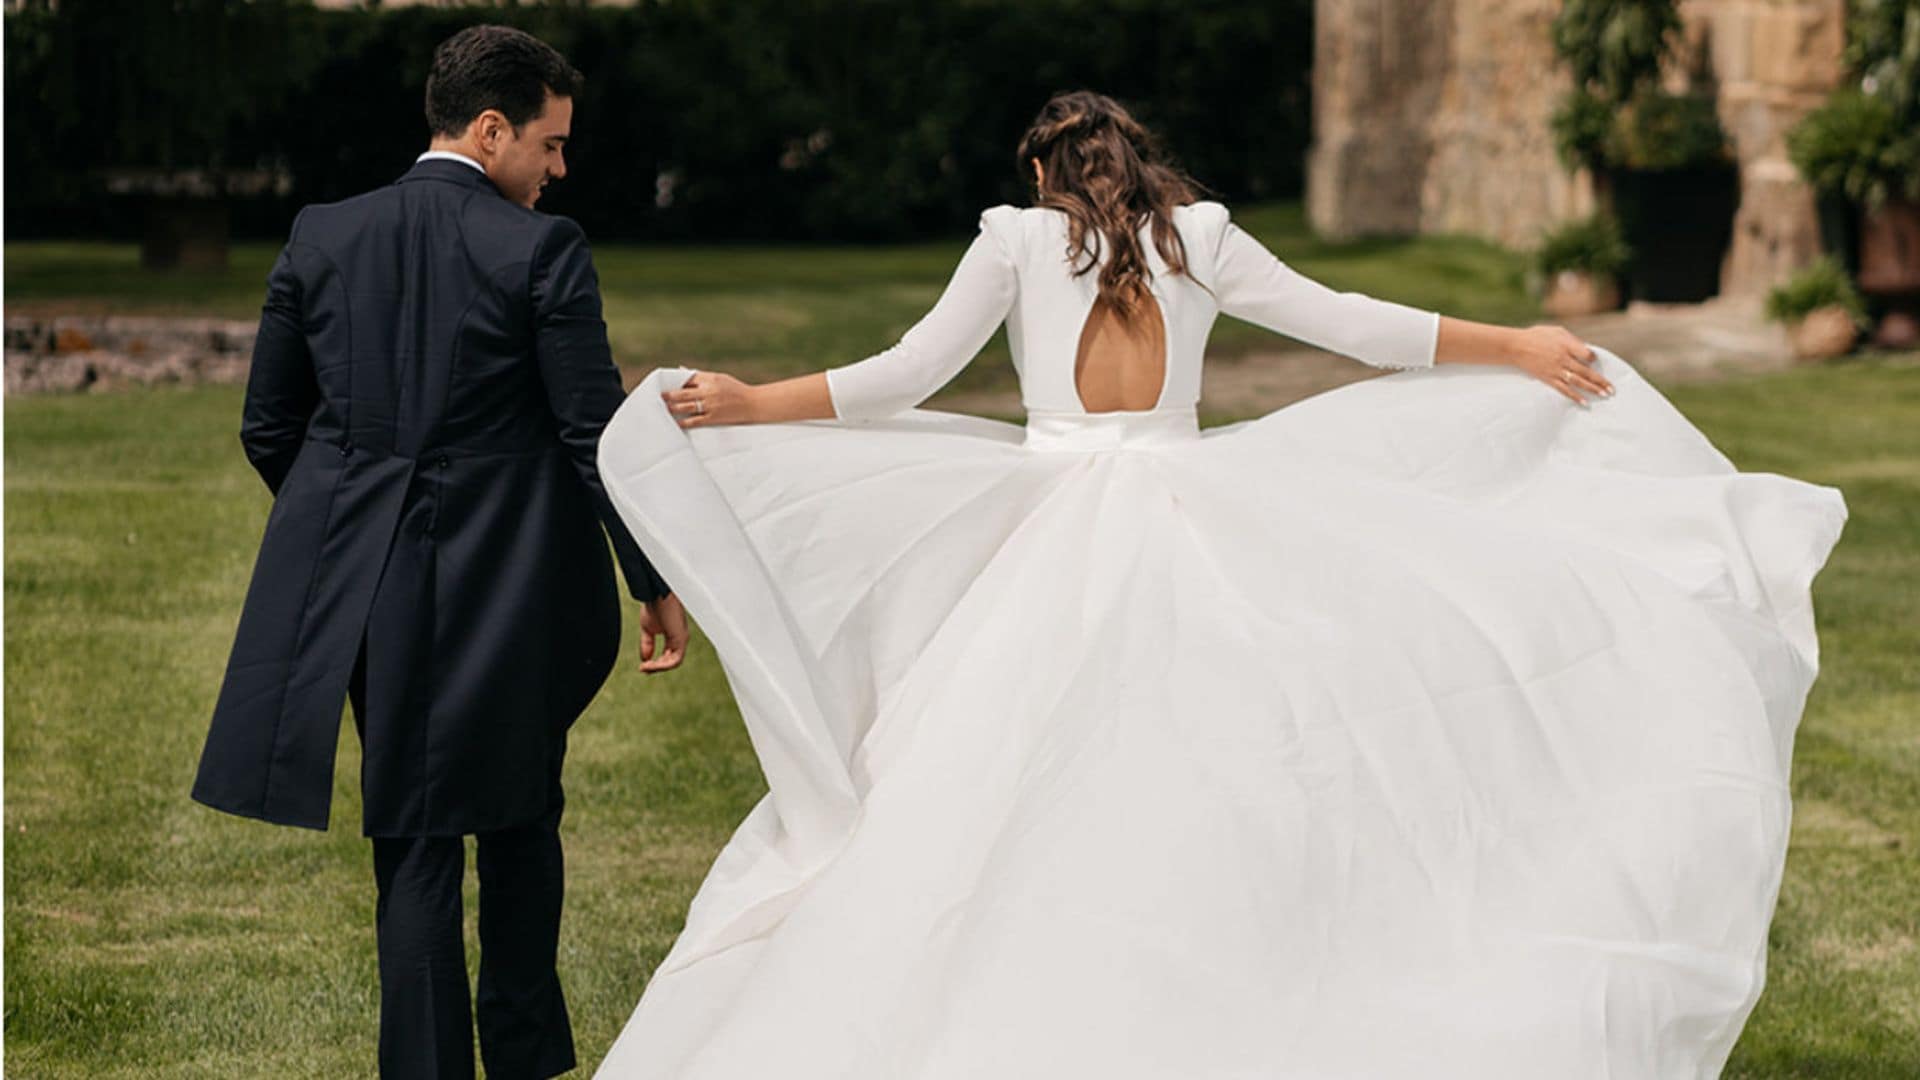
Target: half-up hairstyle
(1108, 174)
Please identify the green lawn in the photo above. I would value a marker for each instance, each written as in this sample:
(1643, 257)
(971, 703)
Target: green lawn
(148, 936)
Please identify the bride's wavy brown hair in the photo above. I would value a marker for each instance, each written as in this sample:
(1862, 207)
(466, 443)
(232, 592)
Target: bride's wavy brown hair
(1109, 175)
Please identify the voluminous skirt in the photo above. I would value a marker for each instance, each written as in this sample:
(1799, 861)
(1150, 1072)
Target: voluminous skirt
(1431, 726)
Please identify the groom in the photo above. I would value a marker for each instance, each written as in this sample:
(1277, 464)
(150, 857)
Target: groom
(428, 388)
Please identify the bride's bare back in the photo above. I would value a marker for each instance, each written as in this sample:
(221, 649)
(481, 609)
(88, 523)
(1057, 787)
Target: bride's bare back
(1121, 366)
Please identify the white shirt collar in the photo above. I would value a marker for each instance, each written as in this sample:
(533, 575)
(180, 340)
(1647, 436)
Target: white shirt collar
(448, 155)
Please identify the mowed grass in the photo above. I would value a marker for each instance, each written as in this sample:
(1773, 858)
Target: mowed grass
(775, 311)
(148, 936)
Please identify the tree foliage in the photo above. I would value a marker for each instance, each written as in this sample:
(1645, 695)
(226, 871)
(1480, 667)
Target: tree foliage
(751, 119)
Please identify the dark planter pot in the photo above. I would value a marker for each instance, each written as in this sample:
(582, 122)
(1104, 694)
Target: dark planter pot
(1890, 271)
(1679, 223)
(1890, 249)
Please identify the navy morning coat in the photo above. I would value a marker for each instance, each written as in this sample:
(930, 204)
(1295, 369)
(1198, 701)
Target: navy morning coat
(426, 398)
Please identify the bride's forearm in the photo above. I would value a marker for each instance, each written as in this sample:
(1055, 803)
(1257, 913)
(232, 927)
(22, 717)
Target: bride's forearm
(708, 398)
(803, 397)
(1463, 341)
(1549, 353)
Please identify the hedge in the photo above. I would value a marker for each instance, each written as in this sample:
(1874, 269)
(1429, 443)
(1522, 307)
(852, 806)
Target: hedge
(713, 119)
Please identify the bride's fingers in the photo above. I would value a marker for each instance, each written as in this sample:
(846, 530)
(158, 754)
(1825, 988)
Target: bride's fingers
(1565, 386)
(1589, 362)
(1593, 381)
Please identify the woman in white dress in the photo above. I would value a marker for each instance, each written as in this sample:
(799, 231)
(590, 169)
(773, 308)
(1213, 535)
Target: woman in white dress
(1437, 725)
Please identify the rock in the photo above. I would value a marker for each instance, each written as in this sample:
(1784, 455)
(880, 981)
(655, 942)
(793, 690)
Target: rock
(69, 353)
(35, 373)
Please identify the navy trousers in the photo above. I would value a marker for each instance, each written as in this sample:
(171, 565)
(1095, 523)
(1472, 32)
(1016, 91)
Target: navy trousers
(426, 1014)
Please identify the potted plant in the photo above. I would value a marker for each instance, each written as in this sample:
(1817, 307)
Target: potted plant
(1579, 263)
(1863, 145)
(1660, 160)
(1822, 310)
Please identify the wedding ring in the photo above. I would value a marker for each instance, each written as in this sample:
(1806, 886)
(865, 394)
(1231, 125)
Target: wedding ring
(699, 407)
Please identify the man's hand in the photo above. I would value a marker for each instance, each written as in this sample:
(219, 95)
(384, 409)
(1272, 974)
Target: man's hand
(659, 617)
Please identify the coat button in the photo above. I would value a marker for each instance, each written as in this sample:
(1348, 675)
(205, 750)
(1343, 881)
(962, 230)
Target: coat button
(442, 462)
(346, 449)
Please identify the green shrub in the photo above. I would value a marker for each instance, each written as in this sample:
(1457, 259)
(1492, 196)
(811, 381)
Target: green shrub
(1823, 284)
(1864, 142)
(1583, 129)
(1855, 145)
(1591, 244)
(1883, 49)
(1654, 130)
(1617, 116)
(1614, 47)
(1669, 131)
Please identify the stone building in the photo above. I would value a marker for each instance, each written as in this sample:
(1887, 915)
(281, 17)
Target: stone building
(1432, 116)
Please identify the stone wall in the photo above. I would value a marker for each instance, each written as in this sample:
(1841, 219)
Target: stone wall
(1376, 74)
(1434, 117)
(91, 352)
(1769, 62)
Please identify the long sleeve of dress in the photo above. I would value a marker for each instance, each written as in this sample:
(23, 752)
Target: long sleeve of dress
(936, 348)
(1254, 285)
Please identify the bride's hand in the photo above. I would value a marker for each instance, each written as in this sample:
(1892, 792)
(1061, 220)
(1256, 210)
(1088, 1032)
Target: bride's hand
(1554, 356)
(711, 398)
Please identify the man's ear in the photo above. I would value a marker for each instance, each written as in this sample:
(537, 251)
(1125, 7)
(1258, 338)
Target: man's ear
(490, 129)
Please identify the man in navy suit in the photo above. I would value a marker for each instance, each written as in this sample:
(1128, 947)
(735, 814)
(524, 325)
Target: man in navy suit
(426, 398)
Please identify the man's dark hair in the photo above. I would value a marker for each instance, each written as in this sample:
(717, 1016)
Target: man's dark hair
(494, 67)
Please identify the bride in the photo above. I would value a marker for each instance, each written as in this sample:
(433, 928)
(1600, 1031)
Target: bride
(1436, 725)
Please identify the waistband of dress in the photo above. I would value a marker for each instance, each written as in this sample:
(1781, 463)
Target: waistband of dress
(1064, 430)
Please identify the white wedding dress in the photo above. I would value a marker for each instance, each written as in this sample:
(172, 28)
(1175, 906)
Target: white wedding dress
(1433, 726)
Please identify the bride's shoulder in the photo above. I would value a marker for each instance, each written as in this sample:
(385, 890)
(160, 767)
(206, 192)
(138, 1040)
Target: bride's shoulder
(1009, 225)
(1204, 214)
(1005, 214)
(1018, 228)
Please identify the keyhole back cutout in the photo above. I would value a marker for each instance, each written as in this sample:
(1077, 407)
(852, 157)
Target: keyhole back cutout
(1121, 366)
